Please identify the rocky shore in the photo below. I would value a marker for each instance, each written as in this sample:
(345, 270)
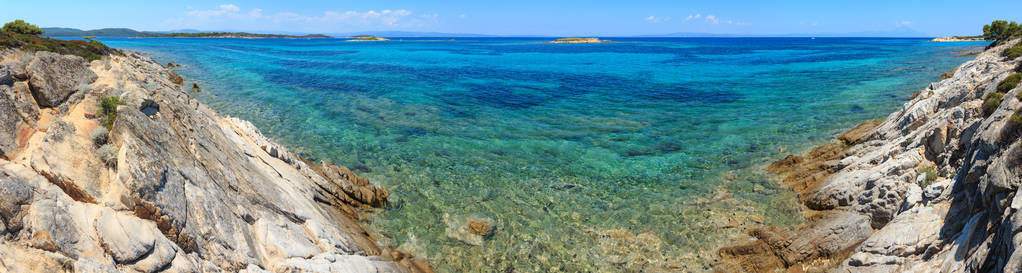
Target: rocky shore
(170, 186)
(932, 188)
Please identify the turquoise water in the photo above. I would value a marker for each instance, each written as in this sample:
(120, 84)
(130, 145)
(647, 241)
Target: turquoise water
(637, 155)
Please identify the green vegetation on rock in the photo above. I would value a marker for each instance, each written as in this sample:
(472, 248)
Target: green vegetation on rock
(931, 175)
(1017, 117)
(108, 111)
(17, 35)
(1013, 52)
(991, 102)
(1009, 83)
(22, 27)
(1001, 30)
(99, 135)
(108, 154)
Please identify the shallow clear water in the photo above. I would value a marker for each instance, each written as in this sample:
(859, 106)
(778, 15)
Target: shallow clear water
(600, 157)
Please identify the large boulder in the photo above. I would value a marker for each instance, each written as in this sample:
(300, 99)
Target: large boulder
(54, 77)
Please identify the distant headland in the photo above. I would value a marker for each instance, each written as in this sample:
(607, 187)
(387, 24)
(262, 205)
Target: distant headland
(579, 41)
(366, 38)
(978, 38)
(126, 32)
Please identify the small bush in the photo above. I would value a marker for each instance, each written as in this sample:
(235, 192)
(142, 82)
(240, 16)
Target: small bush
(99, 135)
(931, 175)
(108, 154)
(1017, 117)
(108, 111)
(1009, 83)
(22, 27)
(1013, 52)
(991, 102)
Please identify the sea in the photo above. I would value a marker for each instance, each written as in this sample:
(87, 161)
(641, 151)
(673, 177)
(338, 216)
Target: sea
(641, 155)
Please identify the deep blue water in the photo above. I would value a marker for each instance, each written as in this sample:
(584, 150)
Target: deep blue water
(594, 157)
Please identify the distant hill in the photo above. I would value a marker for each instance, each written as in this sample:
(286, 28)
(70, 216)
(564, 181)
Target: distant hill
(106, 32)
(125, 32)
(409, 34)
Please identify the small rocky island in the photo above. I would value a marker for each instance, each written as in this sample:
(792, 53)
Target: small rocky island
(579, 41)
(367, 38)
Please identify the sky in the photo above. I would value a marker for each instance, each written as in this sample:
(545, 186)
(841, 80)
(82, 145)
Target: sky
(523, 17)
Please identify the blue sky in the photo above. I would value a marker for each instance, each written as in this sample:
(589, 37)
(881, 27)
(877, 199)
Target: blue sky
(524, 17)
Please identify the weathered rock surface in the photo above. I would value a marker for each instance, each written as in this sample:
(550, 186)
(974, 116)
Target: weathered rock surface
(53, 77)
(965, 220)
(191, 191)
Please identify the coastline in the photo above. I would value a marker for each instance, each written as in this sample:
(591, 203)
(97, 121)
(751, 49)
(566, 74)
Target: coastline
(912, 173)
(200, 191)
(957, 39)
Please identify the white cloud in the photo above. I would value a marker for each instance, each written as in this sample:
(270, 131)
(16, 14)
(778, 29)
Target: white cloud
(905, 23)
(227, 13)
(655, 19)
(223, 10)
(230, 8)
(712, 19)
(256, 13)
(384, 17)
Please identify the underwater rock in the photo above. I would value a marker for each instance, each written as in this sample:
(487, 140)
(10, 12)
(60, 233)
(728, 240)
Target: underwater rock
(469, 230)
(483, 227)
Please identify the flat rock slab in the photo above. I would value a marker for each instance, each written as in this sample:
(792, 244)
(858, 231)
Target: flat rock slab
(126, 238)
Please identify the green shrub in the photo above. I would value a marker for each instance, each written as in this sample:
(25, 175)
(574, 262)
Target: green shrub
(991, 102)
(22, 27)
(99, 135)
(931, 175)
(108, 111)
(1013, 52)
(1001, 30)
(1017, 117)
(108, 154)
(1009, 83)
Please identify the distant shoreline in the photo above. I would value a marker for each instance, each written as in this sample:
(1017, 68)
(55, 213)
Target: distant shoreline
(958, 39)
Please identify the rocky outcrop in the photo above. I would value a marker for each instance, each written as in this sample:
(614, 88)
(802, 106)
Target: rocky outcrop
(190, 191)
(932, 188)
